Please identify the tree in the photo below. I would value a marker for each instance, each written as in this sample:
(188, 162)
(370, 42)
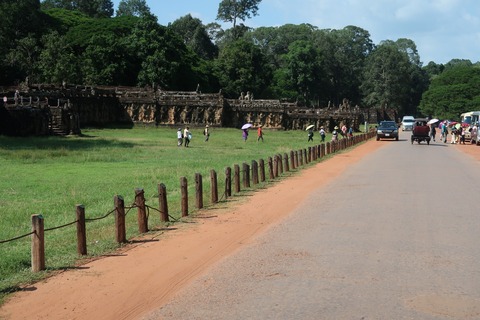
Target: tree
(164, 58)
(57, 61)
(453, 92)
(344, 54)
(195, 36)
(92, 8)
(303, 70)
(132, 8)
(386, 77)
(242, 67)
(233, 10)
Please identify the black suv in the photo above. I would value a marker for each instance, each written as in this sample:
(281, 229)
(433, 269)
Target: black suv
(387, 130)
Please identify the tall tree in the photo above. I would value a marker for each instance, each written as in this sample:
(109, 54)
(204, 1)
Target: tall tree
(132, 8)
(386, 77)
(234, 10)
(345, 51)
(195, 36)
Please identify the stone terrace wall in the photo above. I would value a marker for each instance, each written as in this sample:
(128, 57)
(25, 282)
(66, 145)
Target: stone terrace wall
(107, 106)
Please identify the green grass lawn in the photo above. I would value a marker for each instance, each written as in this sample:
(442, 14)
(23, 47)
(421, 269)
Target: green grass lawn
(51, 175)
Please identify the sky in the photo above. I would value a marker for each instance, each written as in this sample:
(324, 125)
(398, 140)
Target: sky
(441, 29)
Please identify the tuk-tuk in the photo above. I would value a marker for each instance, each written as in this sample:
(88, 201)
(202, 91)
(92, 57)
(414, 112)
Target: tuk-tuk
(420, 131)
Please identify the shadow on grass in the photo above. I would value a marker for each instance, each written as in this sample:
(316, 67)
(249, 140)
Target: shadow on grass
(55, 143)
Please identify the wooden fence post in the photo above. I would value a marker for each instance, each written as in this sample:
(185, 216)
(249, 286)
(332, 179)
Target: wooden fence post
(261, 164)
(254, 172)
(163, 205)
(142, 212)
(184, 196)
(285, 156)
(38, 243)
(246, 175)
(228, 182)
(81, 230)
(292, 159)
(297, 162)
(120, 232)
(198, 191)
(236, 178)
(270, 168)
(275, 166)
(213, 186)
(300, 155)
(280, 164)
(305, 155)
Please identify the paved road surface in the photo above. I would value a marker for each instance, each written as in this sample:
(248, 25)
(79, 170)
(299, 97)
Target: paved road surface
(395, 237)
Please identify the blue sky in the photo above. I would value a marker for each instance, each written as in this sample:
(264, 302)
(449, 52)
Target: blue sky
(441, 29)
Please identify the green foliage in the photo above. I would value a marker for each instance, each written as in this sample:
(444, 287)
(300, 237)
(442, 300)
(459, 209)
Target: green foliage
(303, 69)
(195, 36)
(455, 91)
(57, 61)
(78, 41)
(242, 67)
(387, 77)
(92, 8)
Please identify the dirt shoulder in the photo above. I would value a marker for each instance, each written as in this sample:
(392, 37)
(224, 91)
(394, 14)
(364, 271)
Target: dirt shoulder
(134, 282)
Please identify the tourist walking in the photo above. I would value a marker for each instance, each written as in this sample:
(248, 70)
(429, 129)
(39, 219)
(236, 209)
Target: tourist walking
(244, 135)
(259, 133)
(335, 134)
(179, 137)
(310, 134)
(206, 133)
(444, 132)
(433, 132)
(322, 133)
(187, 136)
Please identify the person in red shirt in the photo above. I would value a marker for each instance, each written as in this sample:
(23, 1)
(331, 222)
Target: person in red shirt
(260, 133)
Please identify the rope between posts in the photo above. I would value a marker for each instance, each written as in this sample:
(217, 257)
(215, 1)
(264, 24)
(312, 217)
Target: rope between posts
(16, 238)
(63, 226)
(147, 206)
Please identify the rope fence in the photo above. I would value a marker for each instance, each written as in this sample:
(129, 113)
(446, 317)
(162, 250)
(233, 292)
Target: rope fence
(243, 177)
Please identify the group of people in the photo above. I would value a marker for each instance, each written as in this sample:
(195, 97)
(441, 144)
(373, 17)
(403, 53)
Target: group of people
(344, 132)
(184, 136)
(458, 133)
(259, 134)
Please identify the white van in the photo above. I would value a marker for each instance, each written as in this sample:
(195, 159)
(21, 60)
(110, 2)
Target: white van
(407, 123)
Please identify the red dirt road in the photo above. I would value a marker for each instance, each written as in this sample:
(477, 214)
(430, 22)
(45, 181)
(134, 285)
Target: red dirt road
(145, 276)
